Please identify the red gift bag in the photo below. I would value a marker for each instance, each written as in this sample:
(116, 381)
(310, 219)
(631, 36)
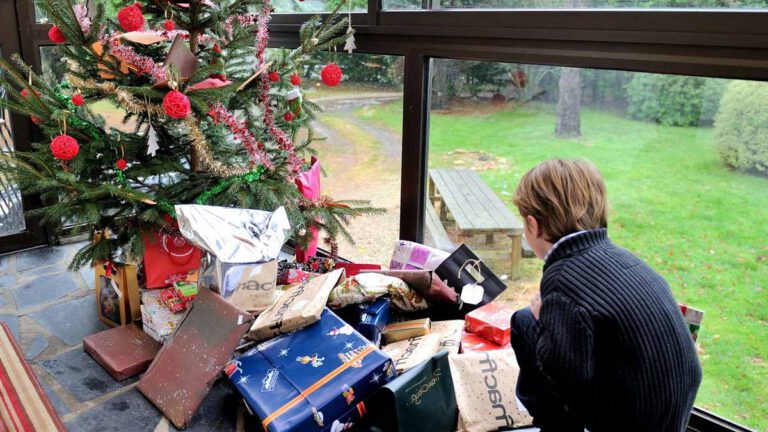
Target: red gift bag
(168, 257)
(308, 183)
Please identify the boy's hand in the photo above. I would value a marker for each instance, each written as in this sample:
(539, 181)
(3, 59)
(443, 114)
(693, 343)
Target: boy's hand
(536, 306)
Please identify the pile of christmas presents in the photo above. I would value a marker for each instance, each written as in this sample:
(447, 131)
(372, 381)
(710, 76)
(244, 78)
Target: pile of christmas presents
(313, 344)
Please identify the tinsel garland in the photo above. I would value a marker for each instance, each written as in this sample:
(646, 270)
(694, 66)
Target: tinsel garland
(240, 130)
(283, 141)
(244, 20)
(200, 145)
(81, 13)
(249, 177)
(145, 64)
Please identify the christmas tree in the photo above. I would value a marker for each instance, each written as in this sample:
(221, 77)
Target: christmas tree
(217, 120)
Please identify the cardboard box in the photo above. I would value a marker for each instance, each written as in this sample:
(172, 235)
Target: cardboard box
(474, 343)
(399, 331)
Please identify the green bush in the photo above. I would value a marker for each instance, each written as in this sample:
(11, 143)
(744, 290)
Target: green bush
(674, 100)
(741, 126)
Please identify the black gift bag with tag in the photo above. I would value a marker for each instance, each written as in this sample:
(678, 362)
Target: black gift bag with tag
(465, 271)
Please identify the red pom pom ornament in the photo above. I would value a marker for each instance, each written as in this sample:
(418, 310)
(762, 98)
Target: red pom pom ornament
(77, 99)
(131, 18)
(37, 120)
(64, 147)
(288, 116)
(176, 104)
(217, 48)
(295, 79)
(274, 76)
(56, 35)
(169, 25)
(121, 164)
(25, 93)
(331, 74)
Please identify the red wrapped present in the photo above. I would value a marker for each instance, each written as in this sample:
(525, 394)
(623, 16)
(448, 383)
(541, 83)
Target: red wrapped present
(167, 257)
(353, 269)
(173, 303)
(124, 351)
(474, 343)
(308, 183)
(185, 291)
(490, 322)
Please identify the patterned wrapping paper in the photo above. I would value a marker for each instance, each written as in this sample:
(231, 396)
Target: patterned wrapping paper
(366, 287)
(485, 385)
(373, 320)
(313, 379)
(474, 343)
(693, 318)
(158, 321)
(490, 322)
(414, 256)
(450, 334)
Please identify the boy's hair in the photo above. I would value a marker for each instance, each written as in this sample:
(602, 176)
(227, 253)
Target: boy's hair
(564, 196)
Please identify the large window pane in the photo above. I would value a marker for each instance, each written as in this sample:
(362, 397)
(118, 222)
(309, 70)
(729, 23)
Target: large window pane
(608, 4)
(360, 154)
(11, 208)
(312, 6)
(685, 160)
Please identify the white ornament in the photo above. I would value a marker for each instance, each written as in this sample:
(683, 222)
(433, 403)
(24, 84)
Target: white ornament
(152, 146)
(350, 46)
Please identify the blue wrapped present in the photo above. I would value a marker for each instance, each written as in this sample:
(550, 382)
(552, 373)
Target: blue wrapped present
(312, 379)
(373, 320)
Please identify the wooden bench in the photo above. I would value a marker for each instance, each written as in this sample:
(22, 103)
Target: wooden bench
(481, 219)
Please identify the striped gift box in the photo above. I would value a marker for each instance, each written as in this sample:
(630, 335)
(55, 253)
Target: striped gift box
(693, 318)
(23, 405)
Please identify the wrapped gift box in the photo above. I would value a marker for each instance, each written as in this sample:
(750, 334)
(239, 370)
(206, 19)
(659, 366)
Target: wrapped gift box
(474, 343)
(414, 256)
(312, 379)
(158, 321)
(693, 318)
(409, 353)
(396, 332)
(490, 322)
(123, 351)
(373, 320)
(450, 334)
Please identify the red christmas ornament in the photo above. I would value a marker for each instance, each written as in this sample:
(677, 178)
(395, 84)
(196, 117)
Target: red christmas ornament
(274, 76)
(176, 104)
(56, 35)
(216, 48)
(131, 18)
(77, 99)
(295, 79)
(37, 120)
(331, 74)
(25, 92)
(169, 25)
(288, 116)
(121, 164)
(64, 147)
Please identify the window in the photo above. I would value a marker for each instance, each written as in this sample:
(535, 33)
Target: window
(574, 4)
(314, 6)
(684, 159)
(360, 154)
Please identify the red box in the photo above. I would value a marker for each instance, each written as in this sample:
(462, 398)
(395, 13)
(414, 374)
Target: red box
(490, 322)
(474, 343)
(354, 269)
(124, 351)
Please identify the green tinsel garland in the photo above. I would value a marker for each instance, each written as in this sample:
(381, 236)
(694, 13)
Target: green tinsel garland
(250, 177)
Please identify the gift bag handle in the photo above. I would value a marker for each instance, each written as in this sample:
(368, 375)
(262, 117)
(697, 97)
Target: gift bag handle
(473, 264)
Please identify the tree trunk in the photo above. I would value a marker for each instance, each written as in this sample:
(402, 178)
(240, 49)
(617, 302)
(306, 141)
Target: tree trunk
(439, 84)
(569, 104)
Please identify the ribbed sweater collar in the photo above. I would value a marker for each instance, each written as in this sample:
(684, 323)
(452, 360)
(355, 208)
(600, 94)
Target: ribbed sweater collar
(570, 246)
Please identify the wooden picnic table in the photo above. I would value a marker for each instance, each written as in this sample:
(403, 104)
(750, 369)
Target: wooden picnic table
(482, 221)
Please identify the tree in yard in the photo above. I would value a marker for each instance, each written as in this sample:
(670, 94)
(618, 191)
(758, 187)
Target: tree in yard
(569, 104)
(213, 119)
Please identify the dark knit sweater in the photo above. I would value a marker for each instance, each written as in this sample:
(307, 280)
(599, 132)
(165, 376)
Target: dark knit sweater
(612, 339)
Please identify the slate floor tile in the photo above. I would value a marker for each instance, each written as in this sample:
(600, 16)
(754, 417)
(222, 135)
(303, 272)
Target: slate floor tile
(44, 289)
(218, 412)
(4, 263)
(72, 320)
(40, 257)
(129, 411)
(37, 345)
(89, 276)
(81, 376)
(40, 271)
(13, 323)
(7, 281)
(58, 404)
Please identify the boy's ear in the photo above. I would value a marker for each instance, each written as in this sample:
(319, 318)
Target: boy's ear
(532, 226)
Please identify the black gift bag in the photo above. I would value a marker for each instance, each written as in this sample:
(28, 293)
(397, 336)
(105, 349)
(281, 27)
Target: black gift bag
(464, 268)
(422, 399)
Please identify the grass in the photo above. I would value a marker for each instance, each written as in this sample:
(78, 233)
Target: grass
(700, 225)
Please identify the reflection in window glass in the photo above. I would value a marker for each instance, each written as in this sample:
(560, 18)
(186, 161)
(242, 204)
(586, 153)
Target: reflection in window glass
(404, 4)
(312, 6)
(360, 154)
(11, 207)
(685, 160)
(578, 4)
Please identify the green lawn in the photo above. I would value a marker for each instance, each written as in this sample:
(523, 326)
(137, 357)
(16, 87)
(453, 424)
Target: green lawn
(672, 203)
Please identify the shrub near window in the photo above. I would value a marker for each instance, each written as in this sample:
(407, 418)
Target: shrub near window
(673, 100)
(741, 127)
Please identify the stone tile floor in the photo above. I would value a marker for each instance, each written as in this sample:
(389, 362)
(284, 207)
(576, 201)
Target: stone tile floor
(49, 311)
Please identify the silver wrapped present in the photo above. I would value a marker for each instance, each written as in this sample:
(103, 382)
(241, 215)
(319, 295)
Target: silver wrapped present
(242, 247)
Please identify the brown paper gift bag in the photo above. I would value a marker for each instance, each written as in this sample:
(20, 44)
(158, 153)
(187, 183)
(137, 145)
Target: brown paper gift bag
(450, 334)
(298, 306)
(409, 353)
(485, 385)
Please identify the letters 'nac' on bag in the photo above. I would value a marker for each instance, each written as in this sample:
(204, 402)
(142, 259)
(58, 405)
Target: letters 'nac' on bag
(464, 268)
(421, 399)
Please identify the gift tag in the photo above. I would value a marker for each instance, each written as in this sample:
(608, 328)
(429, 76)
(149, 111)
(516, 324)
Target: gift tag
(472, 294)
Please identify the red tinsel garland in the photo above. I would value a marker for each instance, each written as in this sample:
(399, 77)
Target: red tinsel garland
(240, 130)
(145, 64)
